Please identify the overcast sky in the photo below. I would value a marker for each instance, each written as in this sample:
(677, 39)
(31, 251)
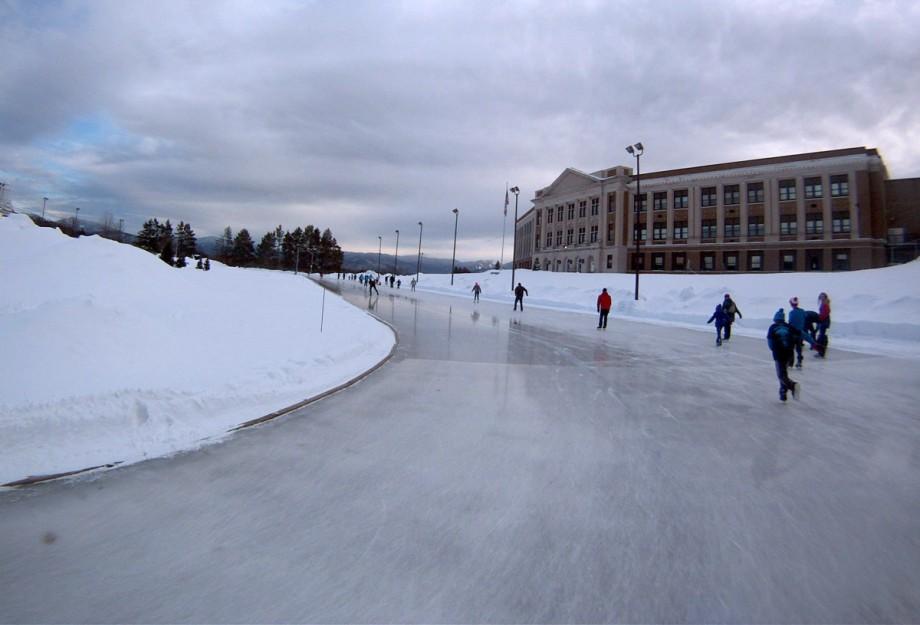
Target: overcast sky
(366, 117)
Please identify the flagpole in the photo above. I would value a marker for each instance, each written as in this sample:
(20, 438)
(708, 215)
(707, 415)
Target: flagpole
(501, 262)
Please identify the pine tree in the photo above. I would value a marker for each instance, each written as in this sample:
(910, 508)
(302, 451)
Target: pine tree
(166, 253)
(180, 261)
(148, 237)
(265, 253)
(164, 235)
(186, 242)
(243, 253)
(279, 241)
(226, 245)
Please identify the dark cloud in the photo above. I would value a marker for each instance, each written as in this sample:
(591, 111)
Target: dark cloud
(367, 117)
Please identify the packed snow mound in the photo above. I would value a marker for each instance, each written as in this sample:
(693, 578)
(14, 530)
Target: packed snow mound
(111, 355)
(873, 309)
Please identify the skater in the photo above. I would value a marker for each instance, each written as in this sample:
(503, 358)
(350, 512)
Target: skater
(412, 284)
(398, 283)
(781, 341)
(519, 293)
(720, 318)
(372, 286)
(730, 309)
(476, 291)
(603, 308)
(824, 322)
(798, 320)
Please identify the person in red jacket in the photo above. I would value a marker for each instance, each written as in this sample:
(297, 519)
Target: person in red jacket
(603, 307)
(824, 322)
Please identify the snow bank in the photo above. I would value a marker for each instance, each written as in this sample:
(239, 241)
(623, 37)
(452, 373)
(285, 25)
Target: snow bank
(875, 310)
(111, 355)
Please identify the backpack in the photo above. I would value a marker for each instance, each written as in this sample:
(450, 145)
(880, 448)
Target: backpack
(783, 336)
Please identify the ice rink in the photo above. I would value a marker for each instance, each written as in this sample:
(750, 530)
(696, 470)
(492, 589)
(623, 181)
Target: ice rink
(509, 467)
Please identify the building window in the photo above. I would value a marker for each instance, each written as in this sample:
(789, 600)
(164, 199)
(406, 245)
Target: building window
(658, 262)
(593, 234)
(755, 261)
(841, 260)
(709, 261)
(680, 230)
(611, 202)
(559, 210)
(571, 210)
(732, 228)
(840, 186)
(539, 214)
(814, 223)
(641, 203)
(659, 232)
(788, 258)
(595, 204)
(581, 236)
(708, 196)
(660, 200)
(582, 208)
(609, 261)
(643, 233)
(787, 225)
(678, 261)
(610, 233)
(813, 188)
(840, 223)
(754, 192)
(786, 190)
(731, 194)
(569, 236)
(755, 226)
(681, 199)
(730, 259)
(549, 215)
(549, 239)
(709, 229)
(558, 238)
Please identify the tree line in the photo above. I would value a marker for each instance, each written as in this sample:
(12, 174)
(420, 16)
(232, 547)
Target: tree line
(304, 248)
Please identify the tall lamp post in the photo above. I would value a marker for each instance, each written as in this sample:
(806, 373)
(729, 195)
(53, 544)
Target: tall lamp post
(379, 249)
(396, 255)
(418, 263)
(636, 150)
(44, 205)
(76, 218)
(516, 192)
(453, 259)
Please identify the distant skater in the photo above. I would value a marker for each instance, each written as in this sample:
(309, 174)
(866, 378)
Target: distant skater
(519, 293)
(798, 319)
(824, 323)
(372, 286)
(603, 308)
(412, 284)
(720, 318)
(781, 341)
(476, 291)
(398, 283)
(730, 309)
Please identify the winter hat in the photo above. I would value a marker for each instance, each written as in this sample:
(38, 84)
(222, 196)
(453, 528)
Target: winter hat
(794, 302)
(779, 316)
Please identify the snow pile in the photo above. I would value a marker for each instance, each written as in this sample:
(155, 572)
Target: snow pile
(111, 355)
(872, 310)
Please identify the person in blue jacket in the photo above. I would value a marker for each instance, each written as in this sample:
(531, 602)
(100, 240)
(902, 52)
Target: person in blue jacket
(798, 319)
(721, 319)
(781, 338)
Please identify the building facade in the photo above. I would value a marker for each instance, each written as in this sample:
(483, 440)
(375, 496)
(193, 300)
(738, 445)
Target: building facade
(818, 211)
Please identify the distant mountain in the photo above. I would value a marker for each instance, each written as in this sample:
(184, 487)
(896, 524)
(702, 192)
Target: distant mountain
(361, 261)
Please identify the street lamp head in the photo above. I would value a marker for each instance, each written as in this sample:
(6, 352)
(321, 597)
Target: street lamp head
(397, 232)
(515, 190)
(420, 223)
(629, 149)
(455, 211)
(639, 147)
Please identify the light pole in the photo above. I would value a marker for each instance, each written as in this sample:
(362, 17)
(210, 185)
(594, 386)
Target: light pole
(516, 192)
(636, 150)
(379, 249)
(76, 218)
(418, 263)
(396, 254)
(453, 259)
(44, 205)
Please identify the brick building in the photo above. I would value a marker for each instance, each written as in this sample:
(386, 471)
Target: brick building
(818, 211)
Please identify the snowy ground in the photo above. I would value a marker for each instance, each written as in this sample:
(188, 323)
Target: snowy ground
(111, 355)
(875, 311)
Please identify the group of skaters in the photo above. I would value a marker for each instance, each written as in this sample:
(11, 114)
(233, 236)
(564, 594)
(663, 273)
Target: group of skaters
(370, 282)
(519, 293)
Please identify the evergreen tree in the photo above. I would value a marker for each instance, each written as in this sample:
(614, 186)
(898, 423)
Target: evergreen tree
(265, 253)
(289, 247)
(148, 237)
(180, 261)
(279, 241)
(166, 254)
(186, 242)
(164, 235)
(243, 253)
(226, 245)
(330, 254)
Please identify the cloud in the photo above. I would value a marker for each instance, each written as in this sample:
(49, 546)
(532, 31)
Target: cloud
(370, 116)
